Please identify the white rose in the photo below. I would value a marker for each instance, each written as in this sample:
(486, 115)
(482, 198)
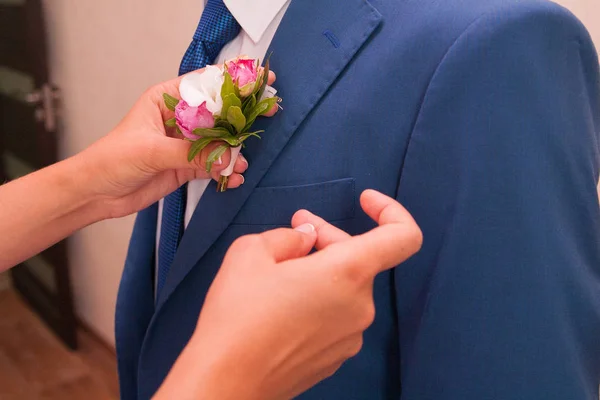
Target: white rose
(199, 87)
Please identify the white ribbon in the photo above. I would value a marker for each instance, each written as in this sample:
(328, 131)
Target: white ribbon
(235, 151)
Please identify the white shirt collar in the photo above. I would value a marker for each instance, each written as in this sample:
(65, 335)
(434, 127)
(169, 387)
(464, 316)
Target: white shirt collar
(254, 16)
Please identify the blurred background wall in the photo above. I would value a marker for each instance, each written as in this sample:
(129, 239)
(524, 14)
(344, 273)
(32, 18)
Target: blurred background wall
(588, 11)
(103, 54)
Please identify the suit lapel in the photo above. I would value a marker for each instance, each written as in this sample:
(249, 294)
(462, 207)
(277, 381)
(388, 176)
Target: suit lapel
(313, 45)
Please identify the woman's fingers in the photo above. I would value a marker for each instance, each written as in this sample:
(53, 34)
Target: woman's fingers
(241, 164)
(236, 179)
(272, 78)
(272, 111)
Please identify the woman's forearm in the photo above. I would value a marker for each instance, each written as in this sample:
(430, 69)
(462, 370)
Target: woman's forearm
(132, 167)
(42, 208)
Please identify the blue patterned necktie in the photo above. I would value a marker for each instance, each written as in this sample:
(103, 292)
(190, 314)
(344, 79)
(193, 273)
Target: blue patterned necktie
(217, 27)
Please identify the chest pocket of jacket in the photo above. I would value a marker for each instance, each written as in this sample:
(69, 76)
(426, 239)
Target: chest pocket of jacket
(332, 201)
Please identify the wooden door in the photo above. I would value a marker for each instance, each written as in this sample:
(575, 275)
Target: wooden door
(28, 141)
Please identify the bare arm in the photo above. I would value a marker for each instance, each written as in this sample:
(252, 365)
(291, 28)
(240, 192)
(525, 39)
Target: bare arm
(40, 209)
(135, 165)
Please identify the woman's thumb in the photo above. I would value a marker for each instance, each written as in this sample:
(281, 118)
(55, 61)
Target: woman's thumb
(173, 154)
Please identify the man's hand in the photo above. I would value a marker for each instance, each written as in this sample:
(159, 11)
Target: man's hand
(276, 321)
(140, 161)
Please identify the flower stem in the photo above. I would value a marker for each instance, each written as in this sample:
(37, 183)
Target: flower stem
(223, 182)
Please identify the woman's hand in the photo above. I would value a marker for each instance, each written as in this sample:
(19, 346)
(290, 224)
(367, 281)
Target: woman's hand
(140, 161)
(135, 165)
(276, 321)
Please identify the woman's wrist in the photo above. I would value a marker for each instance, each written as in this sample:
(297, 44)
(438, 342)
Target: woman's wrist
(75, 179)
(42, 208)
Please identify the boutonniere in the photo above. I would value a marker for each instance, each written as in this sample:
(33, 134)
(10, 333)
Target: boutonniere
(221, 104)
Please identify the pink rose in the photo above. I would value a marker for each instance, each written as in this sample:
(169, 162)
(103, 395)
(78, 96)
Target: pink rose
(189, 118)
(244, 72)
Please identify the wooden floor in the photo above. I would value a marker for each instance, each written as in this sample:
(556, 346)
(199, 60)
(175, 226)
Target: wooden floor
(34, 365)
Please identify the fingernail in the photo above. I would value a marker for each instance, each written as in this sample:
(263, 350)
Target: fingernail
(306, 228)
(243, 179)
(241, 157)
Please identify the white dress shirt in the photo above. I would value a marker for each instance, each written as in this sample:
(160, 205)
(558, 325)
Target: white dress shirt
(259, 20)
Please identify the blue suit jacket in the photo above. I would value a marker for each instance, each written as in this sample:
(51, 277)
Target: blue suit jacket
(483, 118)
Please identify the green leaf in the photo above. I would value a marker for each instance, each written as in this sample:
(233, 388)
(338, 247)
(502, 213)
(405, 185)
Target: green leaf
(230, 100)
(217, 134)
(249, 104)
(261, 108)
(170, 123)
(228, 87)
(211, 132)
(233, 141)
(170, 101)
(198, 146)
(245, 136)
(267, 104)
(179, 131)
(236, 118)
(261, 90)
(221, 123)
(214, 156)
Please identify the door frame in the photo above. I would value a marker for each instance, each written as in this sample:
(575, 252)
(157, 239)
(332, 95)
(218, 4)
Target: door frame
(25, 23)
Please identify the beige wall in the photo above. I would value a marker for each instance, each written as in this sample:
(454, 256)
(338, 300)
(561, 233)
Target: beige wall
(103, 54)
(588, 11)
